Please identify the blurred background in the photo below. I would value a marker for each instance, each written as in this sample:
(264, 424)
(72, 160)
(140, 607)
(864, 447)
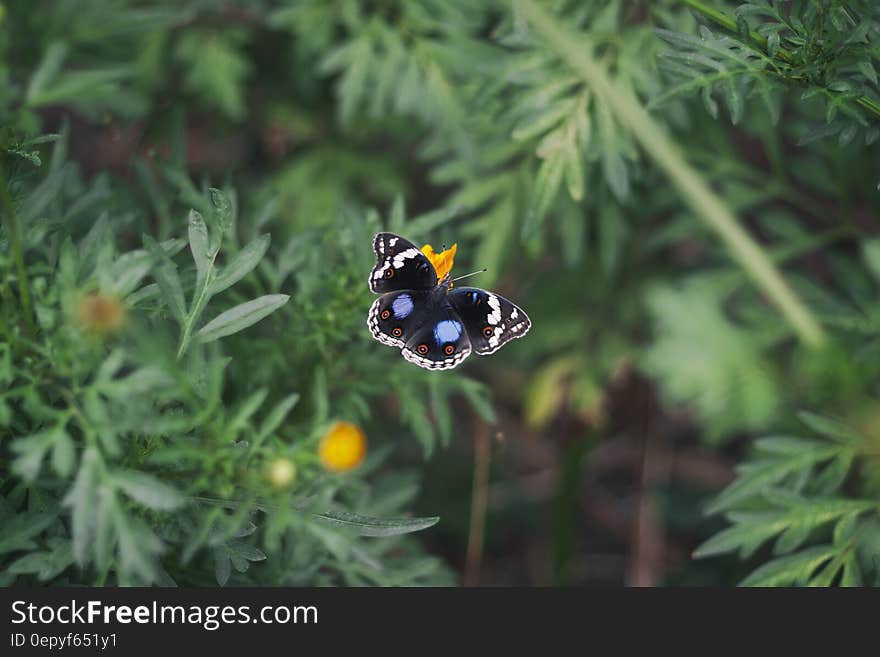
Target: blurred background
(588, 452)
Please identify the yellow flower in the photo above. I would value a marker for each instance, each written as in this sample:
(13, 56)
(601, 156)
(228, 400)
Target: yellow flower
(343, 447)
(281, 473)
(99, 313)
(442, 261)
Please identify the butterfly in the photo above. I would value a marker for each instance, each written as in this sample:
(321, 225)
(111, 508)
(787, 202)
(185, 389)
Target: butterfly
(434, 324)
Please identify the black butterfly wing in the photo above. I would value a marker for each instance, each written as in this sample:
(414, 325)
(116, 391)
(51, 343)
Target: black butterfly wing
(491, 321)
(396, 316)
(440, 343)
(400, 265)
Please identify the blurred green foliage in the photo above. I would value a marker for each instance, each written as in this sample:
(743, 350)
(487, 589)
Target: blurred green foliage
(189, 191)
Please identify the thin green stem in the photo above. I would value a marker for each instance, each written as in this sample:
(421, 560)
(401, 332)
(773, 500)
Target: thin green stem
(706, 204)
(200, 300)
(12, 227)
(723, 20)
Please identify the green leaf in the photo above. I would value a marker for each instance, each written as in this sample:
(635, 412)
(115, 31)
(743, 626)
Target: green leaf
(544, 191)
(613, 232)
(148, 490)
(746, 536)
(20, 529)
(773, 44)
(829, 427)
(241, 265)
(832, 476)
(845, 528)
(790, 570)
(247, 408)
(320, 395)
(574, 173)
(95, 88)
(757, 477)
(440, 410)
(701, 358)
(787, 445)
(198, 244)
(165, 274)
(240, 317)
(44, 564)
(63, 454)
(540, 123)
(414, 413)
(222, 565)
(397, 217)
(222, 216)
(140, 382)
(613, 165)
(369, 526)
(48, 69)
(83, 501)
(31, 450)
(234, 553)
(130, 268)
(137, 548)
(216, 69)
(852, 573)
(867, 69)
(480, 397)
(276, 415)
(734, 100)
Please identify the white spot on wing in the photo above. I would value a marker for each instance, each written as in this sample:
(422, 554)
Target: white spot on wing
(495, 316)
(403, 256)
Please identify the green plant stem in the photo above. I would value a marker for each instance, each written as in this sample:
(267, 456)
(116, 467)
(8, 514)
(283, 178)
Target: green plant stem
(200, 300)
(705, 203)
(14, 231)
(723, 20)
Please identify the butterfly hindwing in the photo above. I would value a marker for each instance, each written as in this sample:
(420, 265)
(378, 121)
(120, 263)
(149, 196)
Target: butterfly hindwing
(400, 265)
(440, 343)
(491, 321)
(396, 316)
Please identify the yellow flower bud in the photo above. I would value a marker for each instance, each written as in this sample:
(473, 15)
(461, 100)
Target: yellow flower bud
(281, 473)
(343, 447)
(99, 313)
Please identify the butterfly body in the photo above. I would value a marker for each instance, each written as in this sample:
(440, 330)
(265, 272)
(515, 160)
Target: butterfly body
(435, 325)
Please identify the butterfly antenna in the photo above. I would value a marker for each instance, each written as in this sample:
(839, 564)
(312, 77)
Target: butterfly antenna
(458, 278)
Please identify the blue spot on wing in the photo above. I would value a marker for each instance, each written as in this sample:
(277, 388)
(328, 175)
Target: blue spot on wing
(447, 331)
(402, 306)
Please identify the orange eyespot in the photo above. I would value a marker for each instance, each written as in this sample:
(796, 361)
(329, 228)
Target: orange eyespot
(385, 314)
(389, 272)
(422, 349)
(449, 349)
(397, 331)
(488, 332)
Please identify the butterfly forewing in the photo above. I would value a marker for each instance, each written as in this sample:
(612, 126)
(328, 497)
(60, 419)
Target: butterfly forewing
(491, 321)
(400, 265)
